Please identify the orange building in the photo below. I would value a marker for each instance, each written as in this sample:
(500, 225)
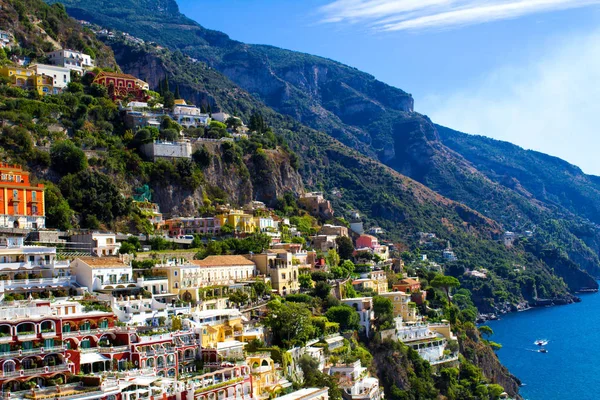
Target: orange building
(22, 204)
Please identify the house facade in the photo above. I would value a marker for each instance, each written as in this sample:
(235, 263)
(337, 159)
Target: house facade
(22, 204)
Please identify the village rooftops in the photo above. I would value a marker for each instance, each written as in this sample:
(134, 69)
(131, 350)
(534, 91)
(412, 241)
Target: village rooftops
(103, 262)
(222, 261)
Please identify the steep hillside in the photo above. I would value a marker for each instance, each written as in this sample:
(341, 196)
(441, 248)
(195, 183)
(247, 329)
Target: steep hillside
(400, 205)
(534, 174)
(39, 28)
(376, 119)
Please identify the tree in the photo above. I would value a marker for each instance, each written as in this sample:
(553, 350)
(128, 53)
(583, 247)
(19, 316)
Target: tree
(486, 330)
(239, 298)
(202, 156)
(126, 248)
(446, 283)
(290, 323)
(3, 57)
(333, 259)
(348, 266)
(169, 134)
(177, 94)
(95, 197)
(75, 87)
(305, 281)
(384, 312)
(322, 289)
(344, 315)
(495, 391)
(233, 123)
(313, 377)
(345, 247)
(261, 288)
(58, 213)
(67, 158)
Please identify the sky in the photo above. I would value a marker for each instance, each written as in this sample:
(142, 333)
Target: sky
(524, 71)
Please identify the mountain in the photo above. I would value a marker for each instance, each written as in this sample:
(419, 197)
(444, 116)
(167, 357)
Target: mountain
(365, 114)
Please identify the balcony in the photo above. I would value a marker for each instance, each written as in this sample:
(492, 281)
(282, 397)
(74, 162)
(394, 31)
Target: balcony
(26, 335)
(112, 349)
(36, 371)
(38, 350)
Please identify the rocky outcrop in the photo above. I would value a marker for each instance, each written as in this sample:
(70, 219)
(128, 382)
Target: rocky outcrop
(482, 355)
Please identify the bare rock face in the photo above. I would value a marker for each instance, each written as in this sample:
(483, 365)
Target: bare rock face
(231, 183)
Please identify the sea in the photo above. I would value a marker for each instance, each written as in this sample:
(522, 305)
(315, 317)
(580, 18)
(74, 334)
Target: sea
(571, 367)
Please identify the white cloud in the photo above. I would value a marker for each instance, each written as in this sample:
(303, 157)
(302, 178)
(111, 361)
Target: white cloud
(396, 15)
(550, 104)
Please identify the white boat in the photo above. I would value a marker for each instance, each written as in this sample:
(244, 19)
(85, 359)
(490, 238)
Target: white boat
(541, 342)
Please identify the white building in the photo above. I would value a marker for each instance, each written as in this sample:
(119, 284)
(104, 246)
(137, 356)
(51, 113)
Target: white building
(220, 116)
(71, 59)
(161, 149)
(30, 268)
(355, 382)
(189, 115)
(96, 243)
(364, 307)
(61, 75)
(102, 273)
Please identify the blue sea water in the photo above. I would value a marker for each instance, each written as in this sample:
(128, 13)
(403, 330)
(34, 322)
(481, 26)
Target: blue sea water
(571, 368)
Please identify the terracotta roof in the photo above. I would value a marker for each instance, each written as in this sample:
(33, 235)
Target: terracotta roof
(115, 75)
(103, 262)
(410, 281)
(277, 251)
(222, 261)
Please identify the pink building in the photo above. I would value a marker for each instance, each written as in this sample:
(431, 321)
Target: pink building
(367, 241)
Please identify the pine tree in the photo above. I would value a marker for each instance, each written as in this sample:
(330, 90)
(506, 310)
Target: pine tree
(177, 95)
(208, 110)
(167, 88)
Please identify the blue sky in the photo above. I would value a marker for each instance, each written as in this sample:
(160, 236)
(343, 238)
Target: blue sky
(526, 71)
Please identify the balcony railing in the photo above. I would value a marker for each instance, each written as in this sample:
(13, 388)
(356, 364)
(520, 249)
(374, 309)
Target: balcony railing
(38, 350)
(35, 371)
(26, 335)
(113, 349)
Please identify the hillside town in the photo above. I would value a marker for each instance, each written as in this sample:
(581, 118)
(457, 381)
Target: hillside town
(177, 311)
(86, 313)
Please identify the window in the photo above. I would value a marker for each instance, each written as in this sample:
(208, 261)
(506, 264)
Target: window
(85, 344)
(48, 343)
(33, 196)
(15, 194)
(104, 324)
(66, 328)
(34, 210)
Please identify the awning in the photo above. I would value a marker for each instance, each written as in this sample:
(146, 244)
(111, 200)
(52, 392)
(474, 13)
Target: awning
(89, 358)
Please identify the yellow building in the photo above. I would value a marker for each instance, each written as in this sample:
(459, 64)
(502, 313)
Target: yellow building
(26, 78)
(186, 279)
(403, 307)
(220, 330)
(266, 380)
(278, 265)
(241, 222)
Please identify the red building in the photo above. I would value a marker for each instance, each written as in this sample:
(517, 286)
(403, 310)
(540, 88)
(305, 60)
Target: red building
(121, 86)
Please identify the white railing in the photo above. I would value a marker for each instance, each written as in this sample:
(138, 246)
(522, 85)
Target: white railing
(35, 371)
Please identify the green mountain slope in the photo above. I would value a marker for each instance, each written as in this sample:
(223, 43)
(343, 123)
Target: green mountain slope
(400, 205)
(534, 174)
(374, 118)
